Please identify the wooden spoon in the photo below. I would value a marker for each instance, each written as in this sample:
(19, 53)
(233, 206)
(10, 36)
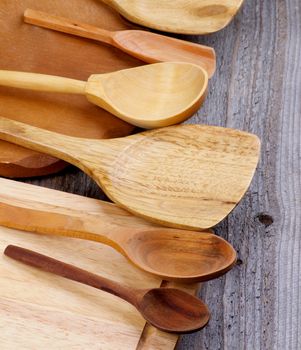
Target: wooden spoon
(146, 46)
(186, 176)
(149, 96)
(172, 254)
(168, 309)
(178, 16)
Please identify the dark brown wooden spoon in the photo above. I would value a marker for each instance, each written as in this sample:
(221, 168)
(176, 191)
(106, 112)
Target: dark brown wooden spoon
(168, 309)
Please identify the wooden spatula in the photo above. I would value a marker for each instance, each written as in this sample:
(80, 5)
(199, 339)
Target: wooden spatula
(186, 176)
(151, 96)
(146, 46)
(178, 16)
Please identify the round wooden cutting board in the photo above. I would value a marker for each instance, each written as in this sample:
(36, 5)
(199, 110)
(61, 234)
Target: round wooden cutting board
(28, 48)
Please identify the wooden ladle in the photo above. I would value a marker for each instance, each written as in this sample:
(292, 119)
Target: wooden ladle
(149, 96)
(185, 176)
(178, 16)
(171, 254)
(146, 46)
(168, 309)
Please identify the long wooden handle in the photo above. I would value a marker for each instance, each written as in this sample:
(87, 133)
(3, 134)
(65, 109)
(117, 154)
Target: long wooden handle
(66, 25)
(65, 147)
(41, 210)
(41, 82)
(35, 208)
(70, 272)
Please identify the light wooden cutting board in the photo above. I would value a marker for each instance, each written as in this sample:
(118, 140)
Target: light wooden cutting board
(42, 311)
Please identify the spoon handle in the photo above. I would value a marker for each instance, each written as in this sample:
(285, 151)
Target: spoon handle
(65, 147)
(41, 82)
(71, 272)
(66, 25)
(37, 209)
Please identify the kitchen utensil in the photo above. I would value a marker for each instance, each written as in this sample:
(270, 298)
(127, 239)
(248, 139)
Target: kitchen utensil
(178, 16)
(186, 176)
(172, 254)
(168, 93)
(168, 309)
(146, 46)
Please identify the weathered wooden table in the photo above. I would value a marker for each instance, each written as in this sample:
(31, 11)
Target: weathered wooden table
(257, 88)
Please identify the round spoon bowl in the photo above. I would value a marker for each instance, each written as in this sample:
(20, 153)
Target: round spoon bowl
(173, 310)
(179, 16)
(154, 95)
(181, 255)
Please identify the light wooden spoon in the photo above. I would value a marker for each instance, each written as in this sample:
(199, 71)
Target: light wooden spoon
(172, 254)
(186, 176)
(149, 96)
(178, 16)
(146, 46)
(168, 309)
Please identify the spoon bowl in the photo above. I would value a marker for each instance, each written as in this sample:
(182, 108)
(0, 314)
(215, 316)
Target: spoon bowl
(152, 96)
(158, 48)
(180, 255)
(176, 306)
(178, 16)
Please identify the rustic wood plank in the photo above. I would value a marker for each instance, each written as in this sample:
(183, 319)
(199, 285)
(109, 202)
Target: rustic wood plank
(256, 88)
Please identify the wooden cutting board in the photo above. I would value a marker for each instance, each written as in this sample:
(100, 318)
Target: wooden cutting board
(24, 47)
(43, 311)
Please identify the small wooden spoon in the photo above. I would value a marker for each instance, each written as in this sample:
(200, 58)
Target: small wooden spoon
(185, 176)
(146, 46)
(178, 16)
(185, 256)
(168, 309)
(149, 96)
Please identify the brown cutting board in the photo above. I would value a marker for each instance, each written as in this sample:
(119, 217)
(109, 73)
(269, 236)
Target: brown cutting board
(43, 311)
(27, 48)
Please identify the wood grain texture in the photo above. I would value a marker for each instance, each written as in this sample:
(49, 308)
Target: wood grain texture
(178, 16)
(256, 88)
(184, 176)
(171, 254)
(169, 92)
(34, 49)
(38, 308)
(146, 46)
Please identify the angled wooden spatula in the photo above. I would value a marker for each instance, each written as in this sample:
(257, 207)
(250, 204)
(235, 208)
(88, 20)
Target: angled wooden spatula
(186, 176)
(178, 16)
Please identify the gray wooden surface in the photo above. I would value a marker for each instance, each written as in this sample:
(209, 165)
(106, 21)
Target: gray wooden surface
(257, 88)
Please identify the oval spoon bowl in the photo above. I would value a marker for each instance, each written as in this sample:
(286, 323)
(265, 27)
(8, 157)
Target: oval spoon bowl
(176, 306)
(152, 96)
(179, 255)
